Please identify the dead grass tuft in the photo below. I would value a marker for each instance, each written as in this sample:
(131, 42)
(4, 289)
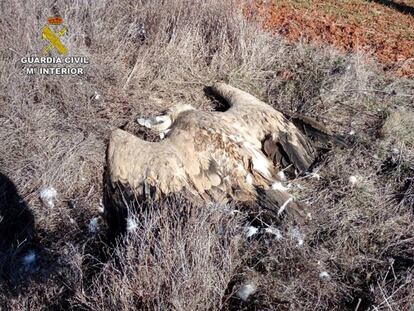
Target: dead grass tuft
(174, 257)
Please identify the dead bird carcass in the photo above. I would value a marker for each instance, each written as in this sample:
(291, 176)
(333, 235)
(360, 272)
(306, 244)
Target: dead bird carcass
(212, 155)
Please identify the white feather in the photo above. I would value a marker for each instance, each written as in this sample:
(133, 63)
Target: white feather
(297, 235)
(93, 225)
(249, 179)
(352, 180)
(30, 258)
(281, 175)
(132, 224)
(277, 185)
(260, 163)
(48, 196)
(250, 231)
(246, 291)
(284, 205)
(276, 232)
(324, 276)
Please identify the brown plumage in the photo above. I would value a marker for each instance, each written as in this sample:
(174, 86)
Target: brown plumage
(216, 156)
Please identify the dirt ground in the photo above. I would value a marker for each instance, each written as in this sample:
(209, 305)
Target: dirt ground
(381, 28)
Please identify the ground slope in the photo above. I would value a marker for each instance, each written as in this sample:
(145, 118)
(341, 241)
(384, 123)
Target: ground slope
(383, 28)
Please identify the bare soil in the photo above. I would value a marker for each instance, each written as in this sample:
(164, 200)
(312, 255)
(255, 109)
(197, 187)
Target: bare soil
(381, 28)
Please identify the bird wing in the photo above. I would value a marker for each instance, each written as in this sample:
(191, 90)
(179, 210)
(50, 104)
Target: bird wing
(196, 160)
(190, 160)
(142, 165)
(281, 140)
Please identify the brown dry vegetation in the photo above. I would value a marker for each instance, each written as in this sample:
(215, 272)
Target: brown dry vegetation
(381, 27)
(145, 56)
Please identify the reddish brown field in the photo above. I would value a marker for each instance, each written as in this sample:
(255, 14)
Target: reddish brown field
(383, 28)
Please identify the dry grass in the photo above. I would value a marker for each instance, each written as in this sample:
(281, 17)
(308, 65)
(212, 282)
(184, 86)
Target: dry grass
(144, 56)
(174, 257)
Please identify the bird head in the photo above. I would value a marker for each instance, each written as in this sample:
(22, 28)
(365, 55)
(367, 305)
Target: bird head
(163, 122)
